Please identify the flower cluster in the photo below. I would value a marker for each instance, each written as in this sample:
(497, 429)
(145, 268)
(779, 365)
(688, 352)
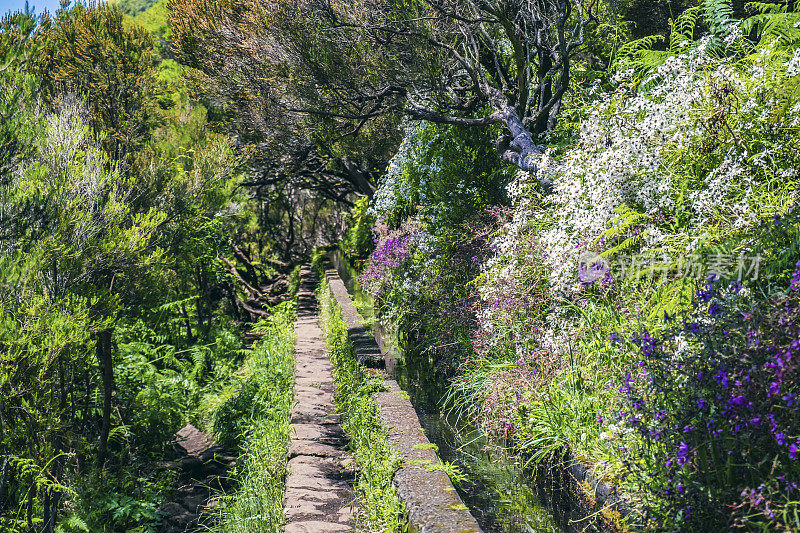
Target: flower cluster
(716, 397)
(681, 150)
(393, 251)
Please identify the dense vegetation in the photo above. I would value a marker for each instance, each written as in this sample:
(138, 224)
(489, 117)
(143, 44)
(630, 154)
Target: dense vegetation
(632, 302)
(121, 300)
(584, 213)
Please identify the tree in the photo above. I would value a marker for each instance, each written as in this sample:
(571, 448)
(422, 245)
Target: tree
(349, 65)
(93, 52)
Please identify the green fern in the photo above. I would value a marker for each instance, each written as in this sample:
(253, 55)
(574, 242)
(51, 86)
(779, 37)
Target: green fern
(633, 50)
(769, 23)
(201, 358)
(718, 15)
(772, 22)
(786, 97)
(682, 29)
(177, 304)
(120, 435)
(765, 7)
(673, 298)
(72, 524)
(626, 220)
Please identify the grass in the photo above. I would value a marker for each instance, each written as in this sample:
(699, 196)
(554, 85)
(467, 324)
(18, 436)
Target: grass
(381, 507)
(253, 411)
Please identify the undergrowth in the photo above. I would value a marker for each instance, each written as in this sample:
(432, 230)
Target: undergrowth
(253, 412)
(381, 507)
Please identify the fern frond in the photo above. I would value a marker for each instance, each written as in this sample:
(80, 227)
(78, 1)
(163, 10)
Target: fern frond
(630, 49)
(682, 29)
(718, 14)
(201, 356)
(672, 298)
(619, 236)
(120, 435)
(176, 305)
(787, 96)
(72, 524)
(765, 7)
(774, 26)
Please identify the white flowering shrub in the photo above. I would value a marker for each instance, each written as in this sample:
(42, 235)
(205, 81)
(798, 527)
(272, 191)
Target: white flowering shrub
(707, 152)
(429, 240)
(442, 174)
(680, 174)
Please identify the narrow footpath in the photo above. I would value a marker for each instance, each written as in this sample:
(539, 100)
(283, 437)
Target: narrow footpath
(319, 494)
(203, 468)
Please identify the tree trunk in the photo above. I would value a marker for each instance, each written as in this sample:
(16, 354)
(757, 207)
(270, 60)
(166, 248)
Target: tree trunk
(54, 512)
(187, 325)
(29, 510)
(103, 349)
(6, 469)
(48, 518)
(4, 475)
(359, 178)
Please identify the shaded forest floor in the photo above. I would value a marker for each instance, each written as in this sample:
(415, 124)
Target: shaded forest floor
(203, 470)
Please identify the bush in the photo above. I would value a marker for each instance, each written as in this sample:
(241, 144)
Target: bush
(713, 404)
(254, 412)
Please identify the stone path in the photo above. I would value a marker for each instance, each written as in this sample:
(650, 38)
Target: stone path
(319, 494)
(203, 472)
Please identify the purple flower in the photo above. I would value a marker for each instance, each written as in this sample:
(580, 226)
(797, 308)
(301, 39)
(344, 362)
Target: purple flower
(795, 281)
(683, 453)
(774, 388)
(738, 400)
(722, 377)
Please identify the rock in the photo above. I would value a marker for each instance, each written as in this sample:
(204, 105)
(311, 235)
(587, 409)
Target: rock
(315, 526)
(203, 470)
(172, 509)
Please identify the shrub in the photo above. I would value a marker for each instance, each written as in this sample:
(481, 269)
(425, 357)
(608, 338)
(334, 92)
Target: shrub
(714, 408)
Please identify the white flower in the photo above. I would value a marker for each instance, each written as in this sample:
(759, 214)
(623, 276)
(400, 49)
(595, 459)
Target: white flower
(793, 65)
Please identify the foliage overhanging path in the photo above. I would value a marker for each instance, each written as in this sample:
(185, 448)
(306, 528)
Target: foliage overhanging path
(319, 494)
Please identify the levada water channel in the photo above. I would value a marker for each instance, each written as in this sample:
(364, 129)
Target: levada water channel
(499, 491)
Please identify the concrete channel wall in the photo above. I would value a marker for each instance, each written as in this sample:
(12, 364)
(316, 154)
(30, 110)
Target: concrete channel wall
(433, 504)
